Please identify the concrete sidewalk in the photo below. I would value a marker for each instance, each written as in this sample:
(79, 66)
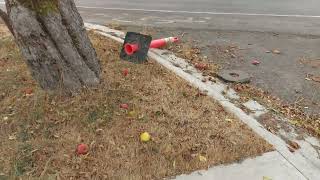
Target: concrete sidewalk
(270, 165)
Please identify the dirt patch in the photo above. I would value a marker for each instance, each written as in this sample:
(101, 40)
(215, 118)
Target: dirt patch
(39, 132)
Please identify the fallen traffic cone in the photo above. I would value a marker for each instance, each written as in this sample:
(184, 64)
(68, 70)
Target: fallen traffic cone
(163, 42)
(132, 48)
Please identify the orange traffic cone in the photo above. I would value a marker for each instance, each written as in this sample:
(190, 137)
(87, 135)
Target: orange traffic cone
(162, 42)
(132, 48)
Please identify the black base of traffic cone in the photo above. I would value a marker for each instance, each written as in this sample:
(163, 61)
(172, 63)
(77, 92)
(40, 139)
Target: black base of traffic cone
(143, 42)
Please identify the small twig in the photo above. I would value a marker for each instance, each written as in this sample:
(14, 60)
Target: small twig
(182, 35)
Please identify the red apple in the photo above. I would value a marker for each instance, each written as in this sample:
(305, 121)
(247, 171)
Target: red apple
(125, 72)
(82, 149)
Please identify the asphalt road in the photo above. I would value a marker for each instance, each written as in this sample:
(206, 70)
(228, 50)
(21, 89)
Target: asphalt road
(283, 16)
(286, 7)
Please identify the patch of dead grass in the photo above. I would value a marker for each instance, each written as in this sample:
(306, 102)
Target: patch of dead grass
(39, 133)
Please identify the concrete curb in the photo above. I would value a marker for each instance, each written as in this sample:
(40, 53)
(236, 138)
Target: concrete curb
(308, 167)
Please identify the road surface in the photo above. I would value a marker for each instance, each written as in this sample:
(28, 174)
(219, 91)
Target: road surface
(284, 7)
(284, 16)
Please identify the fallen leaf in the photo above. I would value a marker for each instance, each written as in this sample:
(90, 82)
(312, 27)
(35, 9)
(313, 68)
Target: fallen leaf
(293, 144)
(132, 114)
(294, 122)
(12, 137)
(141, 116)
(28, 91)
(229, 120)
(202, 158)
(276, 51)
(266, 178)
(255, 62)
(124, 106)
(201, 66)
(316, 79)
(202, 93)
(291, 149)
(56, 136)
(99, 131)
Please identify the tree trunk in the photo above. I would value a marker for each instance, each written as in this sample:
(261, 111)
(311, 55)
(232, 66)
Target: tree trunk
(54, 42)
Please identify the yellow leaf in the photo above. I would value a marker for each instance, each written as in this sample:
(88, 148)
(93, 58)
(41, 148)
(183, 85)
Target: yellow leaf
(229, 120)
(294, 122)
(266, 178)
(132, 114)
(202, 158)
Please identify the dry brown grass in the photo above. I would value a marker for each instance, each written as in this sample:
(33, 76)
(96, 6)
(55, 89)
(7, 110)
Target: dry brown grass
(294, 112)
(3, 30)
(39, 132)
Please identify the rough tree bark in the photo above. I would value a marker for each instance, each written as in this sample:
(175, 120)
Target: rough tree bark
(54, 42)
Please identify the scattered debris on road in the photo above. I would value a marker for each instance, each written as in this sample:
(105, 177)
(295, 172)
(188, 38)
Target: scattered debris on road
(311, 77)
(255, 62)
(276, 51)
(315, 79)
